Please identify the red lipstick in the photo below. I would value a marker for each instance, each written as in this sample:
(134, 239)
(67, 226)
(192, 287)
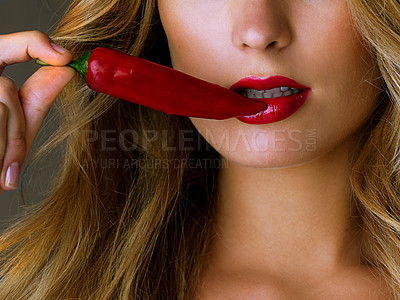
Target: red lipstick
(283, 96)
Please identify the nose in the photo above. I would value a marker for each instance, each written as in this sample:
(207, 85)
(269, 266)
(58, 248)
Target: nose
(260, 24)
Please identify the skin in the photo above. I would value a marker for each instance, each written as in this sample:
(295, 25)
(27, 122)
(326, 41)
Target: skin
(22, 111)
(284, 226)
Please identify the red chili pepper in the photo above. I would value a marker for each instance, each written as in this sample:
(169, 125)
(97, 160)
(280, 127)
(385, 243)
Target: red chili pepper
(173, 92)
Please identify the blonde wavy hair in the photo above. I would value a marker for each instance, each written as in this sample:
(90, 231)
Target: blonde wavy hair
(143, 232)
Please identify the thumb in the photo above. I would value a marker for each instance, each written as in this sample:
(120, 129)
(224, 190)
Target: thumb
(38, 94)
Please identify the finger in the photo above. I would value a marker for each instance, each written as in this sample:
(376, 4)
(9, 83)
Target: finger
(37, 96)
(3, 131)
(15, 134)
(23, 46)
(3, 134)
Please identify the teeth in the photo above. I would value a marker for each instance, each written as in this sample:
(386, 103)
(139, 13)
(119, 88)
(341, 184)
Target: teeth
(276, 95)
(288, 93)
(274, 91)
(268, 94)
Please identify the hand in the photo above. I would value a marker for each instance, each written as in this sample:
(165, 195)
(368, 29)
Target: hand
(22, 112)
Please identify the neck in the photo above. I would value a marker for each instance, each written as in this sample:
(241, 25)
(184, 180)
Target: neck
(293, 220)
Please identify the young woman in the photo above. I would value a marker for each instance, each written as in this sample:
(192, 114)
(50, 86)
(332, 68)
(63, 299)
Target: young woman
(293, 203)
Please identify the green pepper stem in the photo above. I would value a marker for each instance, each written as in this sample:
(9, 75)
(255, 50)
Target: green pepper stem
(80, 65)
(40, 62)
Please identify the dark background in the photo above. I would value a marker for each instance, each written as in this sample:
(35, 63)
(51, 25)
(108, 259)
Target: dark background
(20, 15)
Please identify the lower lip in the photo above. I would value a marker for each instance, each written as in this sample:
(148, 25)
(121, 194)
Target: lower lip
(278, 108)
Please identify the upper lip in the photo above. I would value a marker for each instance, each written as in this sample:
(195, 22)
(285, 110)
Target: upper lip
(266, 83)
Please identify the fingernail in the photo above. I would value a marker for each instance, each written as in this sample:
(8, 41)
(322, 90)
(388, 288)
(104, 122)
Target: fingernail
(12, 175)
(59, 49)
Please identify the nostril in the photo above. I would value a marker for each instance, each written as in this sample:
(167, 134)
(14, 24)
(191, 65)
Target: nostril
(260, 26)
